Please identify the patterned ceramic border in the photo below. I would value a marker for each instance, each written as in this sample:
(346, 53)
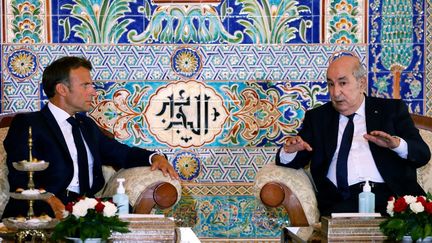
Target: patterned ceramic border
(227, 189)
(428, 59)
(228, 165)
(220, 62)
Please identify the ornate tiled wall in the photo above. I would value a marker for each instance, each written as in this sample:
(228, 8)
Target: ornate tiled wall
(216, 85)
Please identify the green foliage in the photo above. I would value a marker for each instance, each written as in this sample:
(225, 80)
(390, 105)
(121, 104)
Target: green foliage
(92, 225)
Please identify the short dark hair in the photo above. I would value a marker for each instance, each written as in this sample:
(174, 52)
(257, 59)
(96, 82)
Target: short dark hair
(59, 70)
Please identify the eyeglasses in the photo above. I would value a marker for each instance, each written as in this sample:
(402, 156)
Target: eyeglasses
(343, 53)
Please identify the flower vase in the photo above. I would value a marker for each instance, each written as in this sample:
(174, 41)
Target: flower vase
(88, 240)
(408, 239)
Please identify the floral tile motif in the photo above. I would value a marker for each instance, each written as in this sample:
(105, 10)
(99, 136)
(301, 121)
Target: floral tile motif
(26, 23)
(95, 22)
(297, 28)
(404, 76)
(147, 22)
(343, 21)
(186, 62)
(228, 217)
(22, 64)
(187, 165)
(396, 46)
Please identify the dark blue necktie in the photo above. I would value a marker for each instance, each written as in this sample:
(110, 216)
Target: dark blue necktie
(342, 160)
(83, 172)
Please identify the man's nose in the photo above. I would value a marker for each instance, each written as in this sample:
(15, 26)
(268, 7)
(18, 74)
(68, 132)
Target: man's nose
(336, 90)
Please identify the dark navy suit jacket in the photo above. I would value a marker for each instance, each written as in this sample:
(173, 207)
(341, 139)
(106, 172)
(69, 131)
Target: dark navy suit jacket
(49, 145)
(320, 130)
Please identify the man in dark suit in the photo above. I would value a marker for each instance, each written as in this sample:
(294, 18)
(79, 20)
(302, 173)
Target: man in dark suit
(386, 147)
(72, 143)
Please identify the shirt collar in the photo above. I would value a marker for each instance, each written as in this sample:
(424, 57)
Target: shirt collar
(59, 114)
(361, 111)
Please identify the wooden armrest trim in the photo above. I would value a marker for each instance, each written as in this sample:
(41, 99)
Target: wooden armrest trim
(274, 194)
(163, 195)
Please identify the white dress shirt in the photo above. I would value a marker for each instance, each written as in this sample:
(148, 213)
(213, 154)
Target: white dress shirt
(361, 165)
(66, 128)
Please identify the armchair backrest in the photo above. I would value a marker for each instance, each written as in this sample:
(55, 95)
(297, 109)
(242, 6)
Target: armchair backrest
(424, 174)
(5, 121)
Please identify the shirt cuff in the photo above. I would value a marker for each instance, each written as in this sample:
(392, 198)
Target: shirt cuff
(402, 149)
(285, 157)
(153, 154)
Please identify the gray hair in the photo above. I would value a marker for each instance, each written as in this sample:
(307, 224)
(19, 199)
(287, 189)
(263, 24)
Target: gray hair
(359, 71)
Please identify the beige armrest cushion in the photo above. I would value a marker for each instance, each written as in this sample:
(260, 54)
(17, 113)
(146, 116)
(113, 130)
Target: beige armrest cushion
(4, 184)
(138, 179)
(424, 174)
(297, 181)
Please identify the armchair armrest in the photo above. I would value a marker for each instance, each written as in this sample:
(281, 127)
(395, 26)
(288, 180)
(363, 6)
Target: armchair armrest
(145, 188)
(276, 185)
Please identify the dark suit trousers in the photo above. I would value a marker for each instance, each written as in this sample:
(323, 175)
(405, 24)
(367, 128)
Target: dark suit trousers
(331, 201)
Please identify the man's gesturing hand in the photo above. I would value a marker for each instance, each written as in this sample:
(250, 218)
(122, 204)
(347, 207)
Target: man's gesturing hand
(161, 163)
(383, 139)
(294, 144)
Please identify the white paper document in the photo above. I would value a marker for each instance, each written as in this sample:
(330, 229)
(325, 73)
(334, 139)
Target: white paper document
(355, 215)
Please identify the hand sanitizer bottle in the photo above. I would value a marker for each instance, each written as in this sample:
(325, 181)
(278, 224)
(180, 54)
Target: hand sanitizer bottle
(121, 199)
(366, 199)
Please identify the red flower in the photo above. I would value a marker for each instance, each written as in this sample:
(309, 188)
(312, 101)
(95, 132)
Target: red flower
(428, 207)
(99, 207)
(391, 198)
(400, 205)
(422, 200)
(69, 207)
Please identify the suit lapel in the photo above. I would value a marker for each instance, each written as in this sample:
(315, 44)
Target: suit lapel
(373, 113)
(54, 127)
(373, 122)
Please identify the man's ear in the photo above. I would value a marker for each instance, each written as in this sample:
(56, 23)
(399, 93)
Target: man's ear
(61, 89)
(363, 83)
